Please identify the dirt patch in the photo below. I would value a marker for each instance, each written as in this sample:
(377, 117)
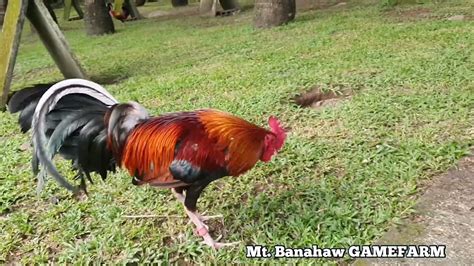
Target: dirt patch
(317, 4)
(317, 98)
(157, 13)
(259, 188)
(444, 215)
(409, 14)
(176, 13)
(421, 13)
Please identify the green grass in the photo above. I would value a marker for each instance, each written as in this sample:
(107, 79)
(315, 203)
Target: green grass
(345, 175)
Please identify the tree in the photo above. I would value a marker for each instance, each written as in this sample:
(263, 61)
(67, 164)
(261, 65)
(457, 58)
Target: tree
(97, 18)
(270, 13)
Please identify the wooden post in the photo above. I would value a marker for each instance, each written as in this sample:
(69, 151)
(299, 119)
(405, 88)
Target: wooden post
(54, 40)
(9, 42)
(49, 33)
(133, 9)
(77, 7)
(3, 6)
(67, 10)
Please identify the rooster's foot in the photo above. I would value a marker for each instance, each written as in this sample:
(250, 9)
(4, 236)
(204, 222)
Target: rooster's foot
(208, 240)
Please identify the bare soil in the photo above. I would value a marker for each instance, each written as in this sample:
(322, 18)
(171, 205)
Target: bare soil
(317, 98)
(410, 14)
(317, 4)
(444, 216)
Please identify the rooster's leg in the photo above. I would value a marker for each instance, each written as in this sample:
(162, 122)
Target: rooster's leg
(197, 219)
(180, 197)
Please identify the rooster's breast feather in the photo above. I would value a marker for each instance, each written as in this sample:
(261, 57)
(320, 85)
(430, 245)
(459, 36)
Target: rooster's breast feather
(150, 149)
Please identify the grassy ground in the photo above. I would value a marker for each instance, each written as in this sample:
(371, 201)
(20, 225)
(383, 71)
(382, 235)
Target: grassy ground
(346, 173)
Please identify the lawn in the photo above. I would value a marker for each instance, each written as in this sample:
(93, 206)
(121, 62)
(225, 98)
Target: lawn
(346, 174)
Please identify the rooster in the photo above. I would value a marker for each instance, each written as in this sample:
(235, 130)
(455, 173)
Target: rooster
(183, 151)
(122, 16)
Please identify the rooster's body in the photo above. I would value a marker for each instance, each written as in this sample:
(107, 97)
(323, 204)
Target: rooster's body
(183, 151)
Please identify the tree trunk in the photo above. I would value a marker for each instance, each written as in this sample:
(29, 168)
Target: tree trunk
(97, 18)
(177, 3)
(270, 13)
